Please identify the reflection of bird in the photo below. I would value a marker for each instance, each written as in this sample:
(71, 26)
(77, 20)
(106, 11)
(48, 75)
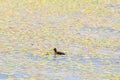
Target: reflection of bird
(57, 53)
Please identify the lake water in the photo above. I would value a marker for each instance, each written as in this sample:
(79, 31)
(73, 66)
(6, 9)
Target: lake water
(68, 67)
(88, 31)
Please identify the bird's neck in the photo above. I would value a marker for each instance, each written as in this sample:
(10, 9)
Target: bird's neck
(55, 54)
(55, 50)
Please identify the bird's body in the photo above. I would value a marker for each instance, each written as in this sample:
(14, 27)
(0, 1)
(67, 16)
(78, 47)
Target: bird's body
(60, 53)
(57, 52)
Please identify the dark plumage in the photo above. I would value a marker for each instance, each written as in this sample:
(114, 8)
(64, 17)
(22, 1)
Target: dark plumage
(58, 53)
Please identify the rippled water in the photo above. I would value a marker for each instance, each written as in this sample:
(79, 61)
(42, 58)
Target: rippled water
(90, 39)
(68, 67)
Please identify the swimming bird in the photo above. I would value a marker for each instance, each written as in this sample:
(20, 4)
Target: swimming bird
(57, 52)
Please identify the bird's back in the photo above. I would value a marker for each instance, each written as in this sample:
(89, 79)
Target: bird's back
(60, 53)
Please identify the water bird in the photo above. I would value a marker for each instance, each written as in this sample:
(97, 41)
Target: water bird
(57, 52)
